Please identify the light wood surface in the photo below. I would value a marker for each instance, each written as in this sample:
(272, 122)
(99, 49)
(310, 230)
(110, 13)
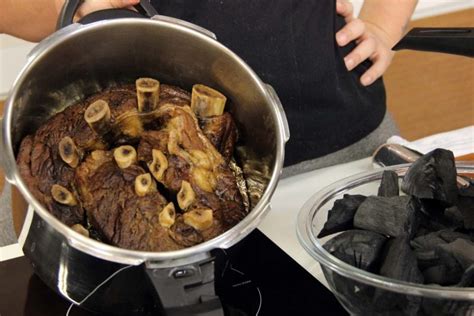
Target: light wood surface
(428, 92)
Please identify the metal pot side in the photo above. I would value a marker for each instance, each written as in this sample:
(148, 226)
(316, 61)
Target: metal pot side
(80, 60)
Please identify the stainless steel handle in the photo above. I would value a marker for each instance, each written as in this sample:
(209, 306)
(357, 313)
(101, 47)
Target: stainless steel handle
(277, 102)
(7, 170)
(189, 25)
(393, 154)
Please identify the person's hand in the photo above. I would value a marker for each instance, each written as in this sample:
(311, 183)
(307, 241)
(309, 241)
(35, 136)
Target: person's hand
(372, 42)
(89, 6)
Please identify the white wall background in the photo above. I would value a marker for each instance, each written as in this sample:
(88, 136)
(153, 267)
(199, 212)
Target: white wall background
(13, 51)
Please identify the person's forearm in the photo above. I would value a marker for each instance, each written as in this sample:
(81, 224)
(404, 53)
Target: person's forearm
(27, 19)
(389, 16)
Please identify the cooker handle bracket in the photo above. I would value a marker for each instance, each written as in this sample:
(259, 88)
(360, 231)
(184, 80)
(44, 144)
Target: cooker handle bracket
(189, 25)
(276, 100)
(186, 289)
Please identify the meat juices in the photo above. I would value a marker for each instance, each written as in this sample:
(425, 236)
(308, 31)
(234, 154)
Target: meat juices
(138, 166)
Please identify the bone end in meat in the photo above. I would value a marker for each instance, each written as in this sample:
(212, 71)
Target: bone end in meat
(62, 195)
(97, 115)
(148, 94)
(144, 184)
(69, 152)
(125, 156)
(159, 164)
(186, 195)
(167, 215)
(199, 219)
(207, 102)
(78, 228)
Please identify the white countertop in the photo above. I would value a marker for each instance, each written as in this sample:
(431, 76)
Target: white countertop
(280, 223)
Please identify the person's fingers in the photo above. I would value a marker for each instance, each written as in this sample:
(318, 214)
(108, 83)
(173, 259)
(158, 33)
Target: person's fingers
(345, 8)
(351, 31)
(364, 50)
(380, 64)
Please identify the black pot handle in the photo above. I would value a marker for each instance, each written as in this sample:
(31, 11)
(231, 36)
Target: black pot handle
(69, 9)
(457, 41)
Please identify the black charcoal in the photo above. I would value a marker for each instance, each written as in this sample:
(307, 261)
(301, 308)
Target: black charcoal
(465, 205)
(427, 242)
(454, 215)
(389, 184)
(439, 307)
(461, 250)
(358, 248)
(400, 261)
(433, 176)
(437, 274)
(355, 295)
(436, 221)
(393, 216)
(341, 216)
(449, 235)
(469, 191)
(447, 259)
(467, 279)
(426, 258)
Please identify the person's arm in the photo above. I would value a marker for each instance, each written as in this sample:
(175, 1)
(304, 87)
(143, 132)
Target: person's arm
(33, 20)
(381, 24)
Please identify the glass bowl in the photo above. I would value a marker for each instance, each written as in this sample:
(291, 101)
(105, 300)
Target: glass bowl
(364, 293)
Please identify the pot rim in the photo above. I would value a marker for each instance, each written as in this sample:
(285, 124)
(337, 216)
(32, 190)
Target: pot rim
(106, 251)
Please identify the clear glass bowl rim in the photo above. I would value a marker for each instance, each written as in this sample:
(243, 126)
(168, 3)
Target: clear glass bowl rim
(311, 244)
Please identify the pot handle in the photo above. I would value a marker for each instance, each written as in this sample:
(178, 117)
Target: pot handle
(69, 9)
(457, 41)
(276, 100)
(186, 286)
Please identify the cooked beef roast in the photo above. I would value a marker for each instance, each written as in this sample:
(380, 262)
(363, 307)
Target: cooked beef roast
(147, 168)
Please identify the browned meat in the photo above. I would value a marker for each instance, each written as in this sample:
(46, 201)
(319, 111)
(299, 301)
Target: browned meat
(192, 159)
(73, 166)
(222, 133)
(116, 211)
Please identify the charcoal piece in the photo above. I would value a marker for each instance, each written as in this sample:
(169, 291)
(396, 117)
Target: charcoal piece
(354, 295)
(449, 235)
(447, 259)
(436, 221)
(400, 261)
(467, 279)
(341, 216)
(437, 274)
(393, 216)
(465, 205)
(454, 215)
(389, 184)
(426, 258)
(439, 307)
(469, 191)
(461, 250)
(427, 242)
(433, 176)
(358, 248)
